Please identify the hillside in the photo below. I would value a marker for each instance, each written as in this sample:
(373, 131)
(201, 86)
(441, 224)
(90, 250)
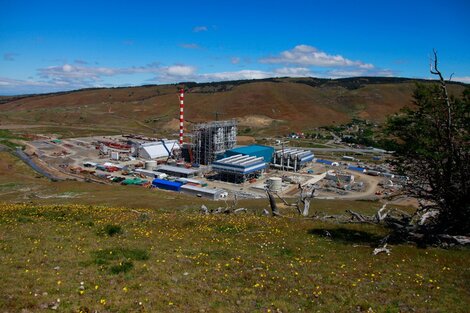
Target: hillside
(268, 106)
(102, 259)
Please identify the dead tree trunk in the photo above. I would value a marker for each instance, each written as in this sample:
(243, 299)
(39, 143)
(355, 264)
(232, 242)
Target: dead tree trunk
(272, 204)
(302, 205)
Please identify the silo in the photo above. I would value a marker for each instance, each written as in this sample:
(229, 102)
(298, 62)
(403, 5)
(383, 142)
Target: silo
(275, 183)
(150, 165)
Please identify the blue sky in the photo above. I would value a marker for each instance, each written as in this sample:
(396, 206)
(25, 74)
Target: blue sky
(62, 45)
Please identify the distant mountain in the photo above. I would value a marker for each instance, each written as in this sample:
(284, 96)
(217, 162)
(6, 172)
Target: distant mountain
(268, 106)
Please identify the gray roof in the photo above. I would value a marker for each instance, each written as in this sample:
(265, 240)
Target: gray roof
(176, 169)
(202, 189)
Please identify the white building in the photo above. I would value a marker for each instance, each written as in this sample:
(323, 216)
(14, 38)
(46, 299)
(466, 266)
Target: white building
(157, 149)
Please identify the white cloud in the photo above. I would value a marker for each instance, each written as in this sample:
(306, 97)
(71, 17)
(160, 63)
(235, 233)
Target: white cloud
(16, 82)
(243, 74)
(462, 79)
(84, 73)
(344, 73)
(310, 56)
(340, 73)
(178, 70)
(293, 72)
(10, 86)
(198, 29)
(80, 75)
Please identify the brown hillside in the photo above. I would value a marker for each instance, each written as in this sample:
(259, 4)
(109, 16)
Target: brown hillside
(267, 106)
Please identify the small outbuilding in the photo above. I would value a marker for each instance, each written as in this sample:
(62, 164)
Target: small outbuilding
(213, 194)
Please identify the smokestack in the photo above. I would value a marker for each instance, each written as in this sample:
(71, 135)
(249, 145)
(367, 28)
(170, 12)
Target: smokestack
(181, 115)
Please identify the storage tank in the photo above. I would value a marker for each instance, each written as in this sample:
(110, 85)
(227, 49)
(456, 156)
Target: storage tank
(150, 165)
(275, 183)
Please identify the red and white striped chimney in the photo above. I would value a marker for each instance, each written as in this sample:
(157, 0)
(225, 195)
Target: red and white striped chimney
(181, 115)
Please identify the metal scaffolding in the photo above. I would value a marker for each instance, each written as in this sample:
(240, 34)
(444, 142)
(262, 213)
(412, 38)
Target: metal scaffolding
(210, 139)
(291, 159)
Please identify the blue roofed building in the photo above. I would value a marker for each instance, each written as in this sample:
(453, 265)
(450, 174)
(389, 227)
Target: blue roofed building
(253, 150)
(166, 184)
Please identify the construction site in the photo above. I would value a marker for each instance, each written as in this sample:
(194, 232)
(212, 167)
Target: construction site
(210, 164)
(211, 139)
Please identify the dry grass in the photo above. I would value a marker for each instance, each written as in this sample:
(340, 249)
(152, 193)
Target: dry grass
(162, 256)
(186, 262)
(283, 106)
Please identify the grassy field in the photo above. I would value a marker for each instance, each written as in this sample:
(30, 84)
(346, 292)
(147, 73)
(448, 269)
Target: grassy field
(101, 259)
(8, 139)
(76, 242)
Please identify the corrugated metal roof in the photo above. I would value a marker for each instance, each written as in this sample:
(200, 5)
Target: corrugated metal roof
(157, 181)
(356, 168)
(175, 169)
(240, 163)
(202, 189)
(324, 161)
(157, 149)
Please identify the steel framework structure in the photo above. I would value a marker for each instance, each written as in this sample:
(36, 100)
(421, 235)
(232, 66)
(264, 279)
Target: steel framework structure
(210, 139)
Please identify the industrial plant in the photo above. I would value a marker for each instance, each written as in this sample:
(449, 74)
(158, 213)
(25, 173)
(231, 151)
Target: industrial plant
(209, 164)
(213, 138)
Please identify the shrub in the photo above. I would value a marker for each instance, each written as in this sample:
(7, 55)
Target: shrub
(112, 230)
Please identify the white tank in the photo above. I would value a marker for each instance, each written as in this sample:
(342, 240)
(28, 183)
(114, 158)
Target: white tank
(150, 165)
(275, 183)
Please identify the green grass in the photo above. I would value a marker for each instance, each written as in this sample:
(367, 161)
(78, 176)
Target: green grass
(122, 267)
(176, 261)
(307, 144)
(102, 256)
(112, 230)
(171, 259)
(6, 134)
(8, 139)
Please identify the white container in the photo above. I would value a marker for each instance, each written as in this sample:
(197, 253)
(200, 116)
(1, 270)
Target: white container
(150, 165)
(275, 183)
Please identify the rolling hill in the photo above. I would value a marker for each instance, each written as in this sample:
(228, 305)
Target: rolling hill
(268, 106)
